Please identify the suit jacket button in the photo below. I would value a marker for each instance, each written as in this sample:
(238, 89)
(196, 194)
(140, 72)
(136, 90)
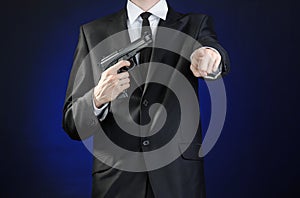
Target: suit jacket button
(145, 102)
(146, 142)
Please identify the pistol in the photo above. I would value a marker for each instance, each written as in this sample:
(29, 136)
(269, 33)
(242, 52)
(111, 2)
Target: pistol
(128, 53)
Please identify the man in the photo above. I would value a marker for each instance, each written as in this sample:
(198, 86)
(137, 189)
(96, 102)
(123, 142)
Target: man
(89, 104)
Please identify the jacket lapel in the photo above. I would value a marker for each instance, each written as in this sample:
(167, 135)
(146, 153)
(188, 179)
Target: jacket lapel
(118, 23)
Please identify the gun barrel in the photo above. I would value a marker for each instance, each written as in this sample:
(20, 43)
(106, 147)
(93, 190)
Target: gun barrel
(127, 52)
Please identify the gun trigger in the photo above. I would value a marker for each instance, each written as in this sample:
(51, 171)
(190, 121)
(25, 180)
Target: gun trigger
(131, 64)
(124, 69)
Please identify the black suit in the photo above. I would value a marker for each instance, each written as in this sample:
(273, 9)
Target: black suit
(185, 176)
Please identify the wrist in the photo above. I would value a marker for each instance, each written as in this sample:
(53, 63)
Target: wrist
(98, 102)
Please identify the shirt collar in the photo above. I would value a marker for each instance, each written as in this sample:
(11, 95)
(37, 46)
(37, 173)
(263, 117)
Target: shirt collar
(160, 9)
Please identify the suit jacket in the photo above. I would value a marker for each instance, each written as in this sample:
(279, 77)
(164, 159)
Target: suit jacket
(184, 177)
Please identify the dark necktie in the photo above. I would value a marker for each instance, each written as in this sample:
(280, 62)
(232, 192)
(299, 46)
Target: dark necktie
(145, 54)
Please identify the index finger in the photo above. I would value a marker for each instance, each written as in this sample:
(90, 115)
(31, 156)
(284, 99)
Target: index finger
(114, 69)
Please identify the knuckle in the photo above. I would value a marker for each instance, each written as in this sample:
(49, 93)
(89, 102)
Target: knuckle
(104, 74)
(109, 70)
(201, 49)
(219, 58)
(193, 68)
(122, 62)
(202, 67)
(209, 55)
(123, 75)
(193, 63)
(111, 78)
(201, 52)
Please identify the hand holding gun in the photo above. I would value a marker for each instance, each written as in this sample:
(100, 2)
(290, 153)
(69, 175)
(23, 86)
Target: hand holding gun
(115, 78)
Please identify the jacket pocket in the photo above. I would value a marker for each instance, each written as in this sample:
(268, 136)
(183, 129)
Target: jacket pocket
(99, 167)
(190, 151)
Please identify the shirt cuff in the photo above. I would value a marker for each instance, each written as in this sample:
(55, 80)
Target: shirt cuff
(102, 112)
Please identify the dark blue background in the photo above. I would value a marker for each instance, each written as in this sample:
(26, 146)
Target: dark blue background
(257, 153)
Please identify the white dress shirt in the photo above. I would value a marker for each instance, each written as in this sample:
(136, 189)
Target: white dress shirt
(134, 23)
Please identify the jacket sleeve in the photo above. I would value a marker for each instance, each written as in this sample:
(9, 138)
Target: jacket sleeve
(207, 37)
(79, 120)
